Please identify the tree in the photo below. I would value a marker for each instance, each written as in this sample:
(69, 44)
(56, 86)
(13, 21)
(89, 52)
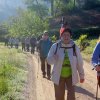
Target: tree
(52, 7)
(26, 24)
(90, 4)
(40, 9)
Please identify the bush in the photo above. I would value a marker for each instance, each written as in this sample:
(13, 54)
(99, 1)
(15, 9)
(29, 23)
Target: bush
(12, 65)
(3, 86)
(53, 38)
(83, 43)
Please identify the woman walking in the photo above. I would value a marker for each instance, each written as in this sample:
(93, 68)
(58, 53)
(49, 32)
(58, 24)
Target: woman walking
(68, 65)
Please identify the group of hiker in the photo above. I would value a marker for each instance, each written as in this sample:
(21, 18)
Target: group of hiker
(27, 43)
(11, 41)
(66, 59)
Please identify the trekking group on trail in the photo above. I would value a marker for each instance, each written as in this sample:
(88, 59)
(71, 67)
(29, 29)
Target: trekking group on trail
(66, 59)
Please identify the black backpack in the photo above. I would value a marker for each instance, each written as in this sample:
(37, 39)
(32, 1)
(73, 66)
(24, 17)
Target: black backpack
(74, 50)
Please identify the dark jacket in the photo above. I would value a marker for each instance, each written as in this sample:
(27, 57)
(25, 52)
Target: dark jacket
(96, 55)
(44, 47)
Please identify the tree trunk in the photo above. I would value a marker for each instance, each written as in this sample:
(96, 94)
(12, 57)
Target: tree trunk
(74, 3)
(52, 7)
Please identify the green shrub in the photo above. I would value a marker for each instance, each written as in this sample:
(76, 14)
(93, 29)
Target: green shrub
(3, 86)
(53, 38)
(83, 43)
(12, 65)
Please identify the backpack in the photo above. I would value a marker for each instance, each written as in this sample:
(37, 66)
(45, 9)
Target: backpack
(74, 50)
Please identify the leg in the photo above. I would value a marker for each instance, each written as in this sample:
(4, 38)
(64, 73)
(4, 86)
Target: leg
(31, 49)
(48, 71)
(28, 47)
(43, 66)
(70, 88)
(24, 46)
(60, 90)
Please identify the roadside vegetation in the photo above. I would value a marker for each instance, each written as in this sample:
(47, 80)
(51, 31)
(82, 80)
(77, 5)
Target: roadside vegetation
(87, 45)
(13, 73)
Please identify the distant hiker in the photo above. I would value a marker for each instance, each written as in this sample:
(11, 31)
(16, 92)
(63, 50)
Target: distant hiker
(11, 42)
(65, 56)
(6, 41)
(64, 25)
(23, 44)
(27, 43)
(96, 57)
(33, 44)
(16, 43)
(44, 47)
(37, 43)
(96, 64)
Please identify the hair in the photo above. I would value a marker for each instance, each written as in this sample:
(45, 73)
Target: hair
(67, 30)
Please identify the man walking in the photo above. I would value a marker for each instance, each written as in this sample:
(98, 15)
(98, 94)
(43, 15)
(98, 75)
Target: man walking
(44, 46)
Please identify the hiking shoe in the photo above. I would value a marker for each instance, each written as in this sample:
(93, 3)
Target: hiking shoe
(49, 78)
(44, 76)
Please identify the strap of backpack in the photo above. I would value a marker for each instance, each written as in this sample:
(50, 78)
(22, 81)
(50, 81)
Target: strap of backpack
(56, 49)
(74, 50)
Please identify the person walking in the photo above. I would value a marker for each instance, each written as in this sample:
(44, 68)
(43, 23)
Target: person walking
(16, 43)
(65, 56)
(27, 44)
(96, 57)
(44, 47)
(23, 43)
(32, 44)
(96, 64)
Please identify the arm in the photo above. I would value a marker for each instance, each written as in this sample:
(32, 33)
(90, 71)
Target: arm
(79, 64)
(50, 58)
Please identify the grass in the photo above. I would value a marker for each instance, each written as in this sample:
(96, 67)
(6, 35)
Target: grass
(13, 73)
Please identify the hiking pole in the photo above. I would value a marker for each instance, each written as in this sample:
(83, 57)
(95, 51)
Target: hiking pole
(97, 92)
(98, 84)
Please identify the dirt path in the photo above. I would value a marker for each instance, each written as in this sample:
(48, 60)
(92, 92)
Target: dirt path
(42, 89)
(30, 86)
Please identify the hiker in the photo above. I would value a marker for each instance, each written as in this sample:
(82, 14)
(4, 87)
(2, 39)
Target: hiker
(16, 43)
(33, 44)
(96, 57)
(27, 44)
(23, 43)
(6, 41)
(44, 47)
(64, 24)
(96, 64)
(37, 42)
(11, 42)
(68, 64)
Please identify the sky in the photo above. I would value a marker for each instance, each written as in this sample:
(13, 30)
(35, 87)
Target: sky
(8, 8)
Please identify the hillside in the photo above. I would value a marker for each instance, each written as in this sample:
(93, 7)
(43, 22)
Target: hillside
(79, 19)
